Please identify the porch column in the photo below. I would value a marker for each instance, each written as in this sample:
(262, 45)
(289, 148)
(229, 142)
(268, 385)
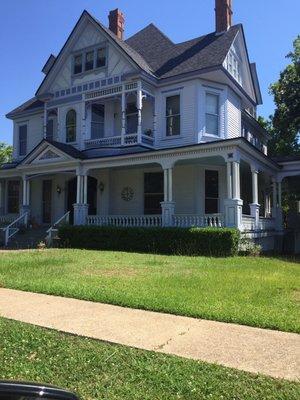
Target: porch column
(139, 106)
(26, 197)
(168, 205)
(1, 198)
(279, 221)
(274, 201)
(255, 207)
(81, 207)
(233, 204)
(123, 108)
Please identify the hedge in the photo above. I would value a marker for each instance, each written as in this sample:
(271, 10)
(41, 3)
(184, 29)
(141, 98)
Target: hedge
(220, 242)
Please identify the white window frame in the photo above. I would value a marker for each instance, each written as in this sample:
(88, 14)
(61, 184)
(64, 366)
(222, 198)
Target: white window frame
(217, 94)
(234, 66)
(166, 96)
(83, 54)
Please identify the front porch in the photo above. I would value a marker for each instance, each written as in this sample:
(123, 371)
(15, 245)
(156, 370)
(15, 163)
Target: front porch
(200, 192)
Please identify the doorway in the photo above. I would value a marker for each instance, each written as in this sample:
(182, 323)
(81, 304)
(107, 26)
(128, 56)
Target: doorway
(47, 202)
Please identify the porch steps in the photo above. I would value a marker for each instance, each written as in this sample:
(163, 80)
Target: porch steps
(27, 240)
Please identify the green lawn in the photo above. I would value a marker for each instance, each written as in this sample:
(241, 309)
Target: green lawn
(97, 370)
(260, 292)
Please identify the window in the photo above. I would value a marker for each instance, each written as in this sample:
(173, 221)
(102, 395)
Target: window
(97, 126)
(101, 58)
(153, 192)
(211, 192)
(131, 118)
(50, 129)
(22, 140)
(78, 64)
(234, 66)
(173, 115)
(89, 60)
(212, 114)
(13, 197)
(71, 126)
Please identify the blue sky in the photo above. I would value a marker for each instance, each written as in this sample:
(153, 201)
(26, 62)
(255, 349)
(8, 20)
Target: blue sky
(32, 29)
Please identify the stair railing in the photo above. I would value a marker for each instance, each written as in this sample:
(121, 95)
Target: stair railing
(13, 228)
(51, 232)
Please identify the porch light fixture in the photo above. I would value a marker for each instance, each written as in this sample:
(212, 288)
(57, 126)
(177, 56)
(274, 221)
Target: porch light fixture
(101, 187)
(58, 190)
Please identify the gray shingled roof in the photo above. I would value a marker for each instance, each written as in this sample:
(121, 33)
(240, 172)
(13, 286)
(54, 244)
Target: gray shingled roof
(169, 59)
(32, 104)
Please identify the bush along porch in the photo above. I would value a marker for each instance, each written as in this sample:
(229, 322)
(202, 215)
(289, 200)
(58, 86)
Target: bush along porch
(180, 241)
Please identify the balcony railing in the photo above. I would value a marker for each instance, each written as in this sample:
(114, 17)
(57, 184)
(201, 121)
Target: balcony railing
(125, 220)
(118, 141)
(198, 221)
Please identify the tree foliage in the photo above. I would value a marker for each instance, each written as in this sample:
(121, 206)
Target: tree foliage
(5, 153)
(284, 125)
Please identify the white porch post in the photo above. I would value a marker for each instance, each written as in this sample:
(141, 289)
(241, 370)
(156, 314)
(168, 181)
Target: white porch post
(139, 106)
(168, 205)
(26, 196)
(1, 197)
(81, 207)
(233, 204)
(274, 202)
(279, 213)
(255, 207)
(123, 109)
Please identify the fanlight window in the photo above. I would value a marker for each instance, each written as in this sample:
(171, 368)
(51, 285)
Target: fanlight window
(71, 126)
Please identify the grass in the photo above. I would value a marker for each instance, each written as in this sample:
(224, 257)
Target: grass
(262, 292)
(97, 370)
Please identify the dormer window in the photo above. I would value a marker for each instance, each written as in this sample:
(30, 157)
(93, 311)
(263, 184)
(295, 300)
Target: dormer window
(89, 60)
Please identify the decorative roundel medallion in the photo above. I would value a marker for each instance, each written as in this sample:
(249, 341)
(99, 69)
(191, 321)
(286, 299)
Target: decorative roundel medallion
(127, 194)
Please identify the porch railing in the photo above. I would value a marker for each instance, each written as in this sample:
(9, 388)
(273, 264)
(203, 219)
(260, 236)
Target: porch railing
(266, 224)
(125, 220)
(117, 141)
(53, 231)
(7, 219)
(14, 227)
(198, 221)
(248, 223)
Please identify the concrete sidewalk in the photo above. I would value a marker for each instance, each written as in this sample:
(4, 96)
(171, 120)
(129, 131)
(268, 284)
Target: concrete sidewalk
(272, 353)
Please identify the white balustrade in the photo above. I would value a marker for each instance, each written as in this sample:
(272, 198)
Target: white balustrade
(248, 223)
(198, 221)
(125, 220)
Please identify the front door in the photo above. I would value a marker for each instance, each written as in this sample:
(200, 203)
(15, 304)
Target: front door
(47, 201)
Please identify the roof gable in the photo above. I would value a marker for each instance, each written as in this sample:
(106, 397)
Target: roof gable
(47, 152)
(95, 33)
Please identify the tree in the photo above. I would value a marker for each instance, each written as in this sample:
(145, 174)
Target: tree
(284, 126)
(5, 153)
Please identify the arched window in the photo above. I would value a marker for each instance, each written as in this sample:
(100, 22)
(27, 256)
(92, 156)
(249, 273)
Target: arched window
(71, 126)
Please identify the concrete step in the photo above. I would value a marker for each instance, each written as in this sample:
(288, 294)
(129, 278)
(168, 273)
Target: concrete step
(28, 240)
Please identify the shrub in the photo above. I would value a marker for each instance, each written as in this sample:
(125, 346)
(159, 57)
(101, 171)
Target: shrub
(194, 241)
(249, 248)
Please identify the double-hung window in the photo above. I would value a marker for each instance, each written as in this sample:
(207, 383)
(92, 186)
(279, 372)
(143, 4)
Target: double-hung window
(97, 126)
(153, 192)
(71, 126)
(77, 64)
(13, 197)
(22, 140)
(211, 192)
(89, 60)
(212, 114)
(131, 118)
(173, 115)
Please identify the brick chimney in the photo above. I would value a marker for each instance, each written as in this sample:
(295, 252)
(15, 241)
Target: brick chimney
(223, 15)
(117, 23)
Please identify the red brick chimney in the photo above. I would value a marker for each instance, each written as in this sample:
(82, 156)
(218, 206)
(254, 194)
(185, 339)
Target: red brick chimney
(117, 23)
(223, 15)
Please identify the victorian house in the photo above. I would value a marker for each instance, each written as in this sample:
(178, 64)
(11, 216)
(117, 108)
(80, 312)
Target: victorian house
(144, 132)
